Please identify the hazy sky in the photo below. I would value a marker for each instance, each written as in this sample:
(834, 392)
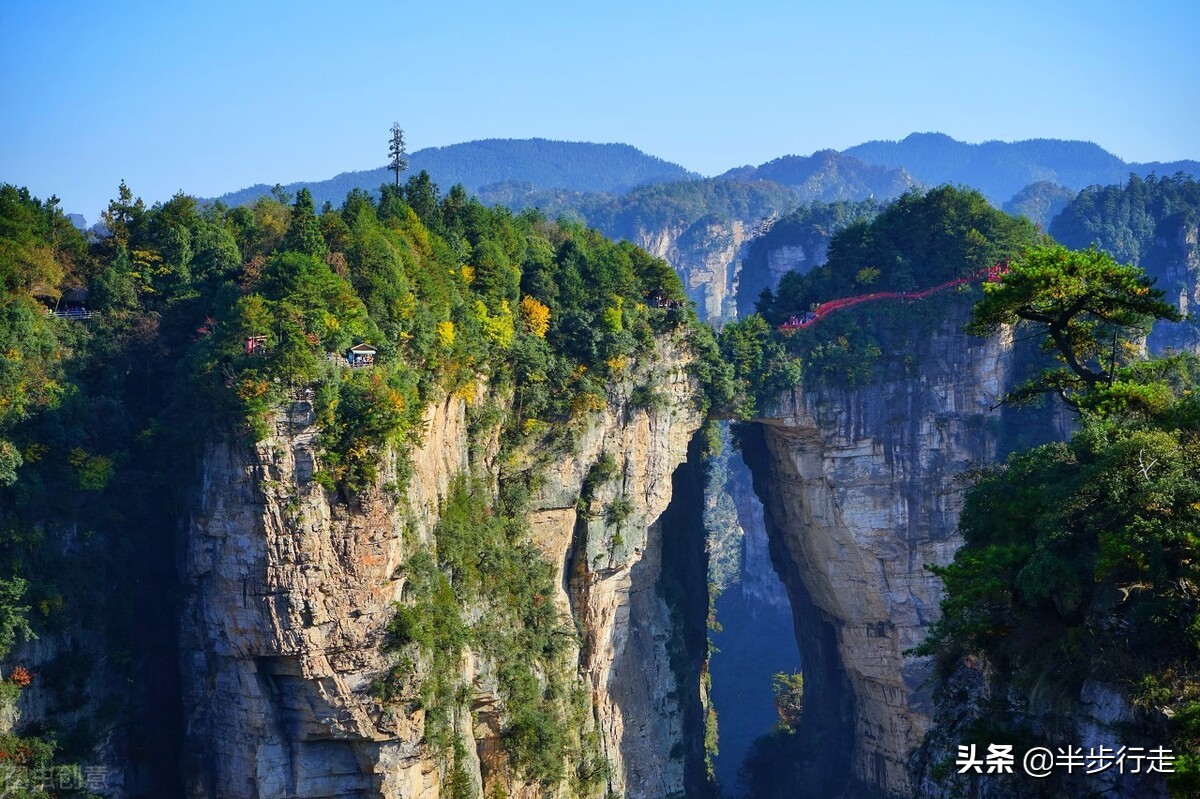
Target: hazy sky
(223, 94)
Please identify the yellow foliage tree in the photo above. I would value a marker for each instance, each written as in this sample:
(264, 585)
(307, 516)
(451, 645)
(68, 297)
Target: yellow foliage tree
(498, 326)
(445, 333)
(535, 317)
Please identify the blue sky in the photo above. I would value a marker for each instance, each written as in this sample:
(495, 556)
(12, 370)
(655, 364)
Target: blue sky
(216, 96)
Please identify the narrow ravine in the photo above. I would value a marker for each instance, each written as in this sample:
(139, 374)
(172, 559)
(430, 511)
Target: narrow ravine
(753, 638)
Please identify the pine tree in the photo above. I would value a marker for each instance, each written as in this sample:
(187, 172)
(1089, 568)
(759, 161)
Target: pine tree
(399, 161)
(304, 231)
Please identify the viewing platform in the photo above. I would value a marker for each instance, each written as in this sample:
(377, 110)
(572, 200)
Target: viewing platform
(81, 314)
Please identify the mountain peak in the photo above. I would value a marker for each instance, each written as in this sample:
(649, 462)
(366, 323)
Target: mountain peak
(828, 175)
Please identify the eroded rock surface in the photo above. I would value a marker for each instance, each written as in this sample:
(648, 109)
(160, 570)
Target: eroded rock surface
(860, 488)
(288, 593)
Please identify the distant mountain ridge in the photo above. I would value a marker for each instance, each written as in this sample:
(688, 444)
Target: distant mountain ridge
(544, 163)
(1001, 169)
(828, 176)
(532, 171)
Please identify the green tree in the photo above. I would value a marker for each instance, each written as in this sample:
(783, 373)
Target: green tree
(1088, 307)
(122, 217)
(216, 257)
(270, 221)
(14, 618)
(789, 698)
(304, 231)
(27, 258)
(421, 194)
(496, 279)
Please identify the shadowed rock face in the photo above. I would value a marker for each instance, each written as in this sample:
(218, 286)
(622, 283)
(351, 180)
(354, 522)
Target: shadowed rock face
(288, 594)
(860, 492)
(1174, 263)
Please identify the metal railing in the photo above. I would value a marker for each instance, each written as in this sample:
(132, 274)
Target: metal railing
(73, 313)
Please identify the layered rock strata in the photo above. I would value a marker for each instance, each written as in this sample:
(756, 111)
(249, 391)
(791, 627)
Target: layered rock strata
(860, 491)
(706, 256)
(289, 591)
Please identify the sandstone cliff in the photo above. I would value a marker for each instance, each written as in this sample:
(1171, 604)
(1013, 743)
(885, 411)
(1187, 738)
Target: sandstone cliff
(860, 493)
(706, 255)
(1174, 263)
(289, 591)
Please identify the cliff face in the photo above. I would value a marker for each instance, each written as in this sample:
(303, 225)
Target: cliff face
(288, 593)
(706, 256)
(1100, 715)
(1174, 263)
(859, 491)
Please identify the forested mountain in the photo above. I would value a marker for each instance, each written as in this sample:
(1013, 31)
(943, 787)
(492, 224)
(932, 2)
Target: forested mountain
(1127, 218)
(543, 163)
(676, 204)
(701, 226)
(191, 326)
(1001, 169)
(828, 176)
(648, 207)
(552, 174)
(1153, 223)
(698, 226)
(1039, 202)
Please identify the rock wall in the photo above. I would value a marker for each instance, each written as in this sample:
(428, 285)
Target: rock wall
(612, 572)
(657, 678)
(706, 256)
(288, 592)
(1174, 263)
(1101, 715)
(860, 493)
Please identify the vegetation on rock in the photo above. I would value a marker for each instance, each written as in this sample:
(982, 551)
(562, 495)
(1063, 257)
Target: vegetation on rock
(1079, 558)
(204, 321)
(919, 241)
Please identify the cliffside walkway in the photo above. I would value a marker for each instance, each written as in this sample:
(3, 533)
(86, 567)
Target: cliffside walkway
(800, 321)
(81, 314)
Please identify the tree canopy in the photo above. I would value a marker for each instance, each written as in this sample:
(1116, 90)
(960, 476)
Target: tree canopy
(1088, 309)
